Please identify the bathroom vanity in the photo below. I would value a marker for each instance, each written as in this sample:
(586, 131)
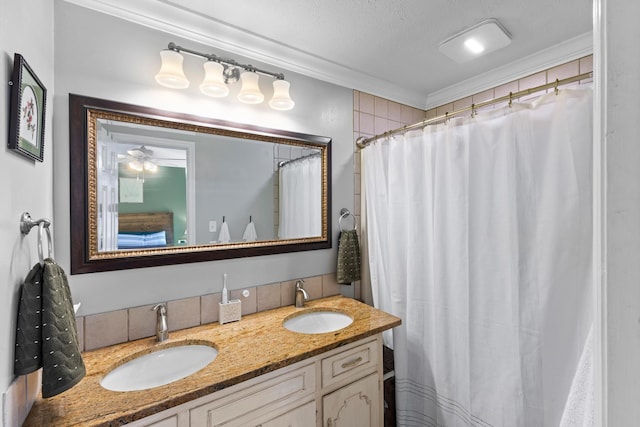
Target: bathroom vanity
(263, 375)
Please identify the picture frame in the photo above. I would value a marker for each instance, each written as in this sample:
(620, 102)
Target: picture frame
(27, 111)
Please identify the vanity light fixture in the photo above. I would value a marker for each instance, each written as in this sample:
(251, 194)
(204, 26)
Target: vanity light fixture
(484, 37)
(218, 74)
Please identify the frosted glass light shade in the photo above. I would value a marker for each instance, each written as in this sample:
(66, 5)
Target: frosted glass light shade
(250, 92)
(171, 73)
(281, 99)
(213, 83)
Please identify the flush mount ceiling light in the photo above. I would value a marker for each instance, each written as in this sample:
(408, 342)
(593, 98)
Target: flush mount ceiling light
(482, 38)
(218, 74)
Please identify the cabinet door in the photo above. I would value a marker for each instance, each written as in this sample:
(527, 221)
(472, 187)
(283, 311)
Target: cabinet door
(354, 405)
(304, 415)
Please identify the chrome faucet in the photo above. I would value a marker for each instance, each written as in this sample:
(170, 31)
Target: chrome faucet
(162, 329)
(301, 294)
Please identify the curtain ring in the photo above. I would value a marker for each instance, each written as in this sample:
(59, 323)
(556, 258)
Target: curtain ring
(510, 99)
(446, 118)
(556, 87)
(474, 112)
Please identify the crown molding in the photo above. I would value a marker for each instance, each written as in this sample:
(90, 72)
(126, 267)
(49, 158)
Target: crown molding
(564, 52)
(173, 18)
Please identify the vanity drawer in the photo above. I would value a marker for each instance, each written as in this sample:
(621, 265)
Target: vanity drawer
(350, 363)
(258, 398)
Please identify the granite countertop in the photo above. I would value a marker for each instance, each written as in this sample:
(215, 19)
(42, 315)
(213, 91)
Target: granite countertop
(255, 345)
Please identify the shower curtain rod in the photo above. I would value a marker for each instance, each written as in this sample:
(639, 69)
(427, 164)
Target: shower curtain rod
(286, 162)
(363, 142)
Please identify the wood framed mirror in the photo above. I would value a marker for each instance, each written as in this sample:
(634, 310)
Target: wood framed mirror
(152, 187)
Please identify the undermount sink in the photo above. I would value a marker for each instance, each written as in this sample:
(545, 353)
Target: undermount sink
(317, 321)
(159, 367)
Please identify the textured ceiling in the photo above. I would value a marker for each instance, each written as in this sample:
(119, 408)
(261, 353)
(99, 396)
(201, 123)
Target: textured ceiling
(384, 46)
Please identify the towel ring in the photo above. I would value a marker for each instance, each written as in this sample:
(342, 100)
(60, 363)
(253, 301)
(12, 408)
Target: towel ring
(344, 212)
(44, 226)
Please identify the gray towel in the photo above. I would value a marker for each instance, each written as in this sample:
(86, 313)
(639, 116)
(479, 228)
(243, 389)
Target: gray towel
(46, 334)
(348, 257)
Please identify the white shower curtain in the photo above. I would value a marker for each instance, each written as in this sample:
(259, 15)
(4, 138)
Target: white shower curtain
(300, 198)
(479, 235)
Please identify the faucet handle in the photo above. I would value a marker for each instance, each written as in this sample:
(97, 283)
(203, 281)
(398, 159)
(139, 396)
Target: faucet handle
(299, 283)
(160, 308)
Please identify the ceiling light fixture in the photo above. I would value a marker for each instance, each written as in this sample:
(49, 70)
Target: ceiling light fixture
(218, 74)
(484, 37)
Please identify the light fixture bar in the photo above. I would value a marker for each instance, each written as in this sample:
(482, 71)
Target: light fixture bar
(227, 61)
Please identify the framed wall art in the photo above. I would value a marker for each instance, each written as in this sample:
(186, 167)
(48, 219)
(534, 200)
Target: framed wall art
(28, 102)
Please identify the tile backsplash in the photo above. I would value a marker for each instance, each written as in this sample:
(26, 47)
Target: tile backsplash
(113, 327)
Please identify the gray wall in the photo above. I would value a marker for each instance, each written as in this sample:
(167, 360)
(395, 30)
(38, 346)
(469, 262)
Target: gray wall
(101, 56)
(234, 179)
(26, 185)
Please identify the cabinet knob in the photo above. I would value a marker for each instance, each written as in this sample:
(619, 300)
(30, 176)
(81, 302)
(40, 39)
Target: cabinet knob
(329, 422)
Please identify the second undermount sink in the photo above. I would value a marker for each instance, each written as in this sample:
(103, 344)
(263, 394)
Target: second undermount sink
(159, 367)
(317, 321)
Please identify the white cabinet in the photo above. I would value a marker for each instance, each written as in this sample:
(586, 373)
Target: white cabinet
(255, 400)
(355, 405)
(304, 415)
(341, 387)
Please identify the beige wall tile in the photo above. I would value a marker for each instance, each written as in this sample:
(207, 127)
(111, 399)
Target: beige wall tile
(313, 286)
(532, 81)
(209, 308)
(287, 293)
(447, 108)
(15, 402)
(101, 330)
(395, 125)
(330, 285)
(430, 114)
(357, 185)
(418, 115)
(34, 385)
(406, 114)
(356, 100)
(183, 313)
(249, 303)
(395, 111)
(381, 107)
(356, 121)
(381, 125)
(80, 329)
(505, 89)
(483, 96)
(268, 296)
(366, 103)
(366, 124)
(563, 71)
(586, 64)
(462, 103)
(142, 322)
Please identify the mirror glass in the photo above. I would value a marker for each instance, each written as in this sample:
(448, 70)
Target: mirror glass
(156, 188)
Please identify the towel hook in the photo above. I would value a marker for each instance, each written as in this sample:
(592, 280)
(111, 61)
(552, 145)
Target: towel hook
(344, 212)
(26, 224)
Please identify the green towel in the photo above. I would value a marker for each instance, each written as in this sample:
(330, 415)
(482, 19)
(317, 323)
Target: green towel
(46, 330)
(348, 257)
